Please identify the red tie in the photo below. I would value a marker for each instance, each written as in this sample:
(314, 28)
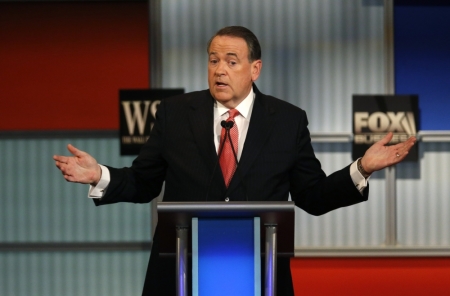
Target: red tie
(227, 159)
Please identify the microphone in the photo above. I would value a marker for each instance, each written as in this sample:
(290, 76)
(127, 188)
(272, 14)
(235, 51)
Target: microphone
(227, 125)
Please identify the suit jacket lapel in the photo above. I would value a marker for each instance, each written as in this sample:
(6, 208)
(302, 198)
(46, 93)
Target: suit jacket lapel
(201, 117)
(258, 132)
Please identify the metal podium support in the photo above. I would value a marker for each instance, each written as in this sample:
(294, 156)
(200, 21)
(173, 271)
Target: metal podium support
(182, 259)
(276, 217)
(271, 261)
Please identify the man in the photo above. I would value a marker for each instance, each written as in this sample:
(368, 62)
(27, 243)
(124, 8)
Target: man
(270, 139)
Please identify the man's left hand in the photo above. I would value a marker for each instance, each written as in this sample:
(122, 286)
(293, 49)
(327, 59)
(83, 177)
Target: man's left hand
(379, 156)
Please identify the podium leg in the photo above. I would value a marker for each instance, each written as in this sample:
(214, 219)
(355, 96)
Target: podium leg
(271, 260)
(182, 260)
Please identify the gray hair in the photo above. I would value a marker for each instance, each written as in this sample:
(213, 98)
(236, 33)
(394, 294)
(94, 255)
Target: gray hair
(254, 49)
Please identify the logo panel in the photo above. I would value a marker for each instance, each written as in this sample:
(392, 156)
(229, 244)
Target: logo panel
(138, 114)
(376, 115)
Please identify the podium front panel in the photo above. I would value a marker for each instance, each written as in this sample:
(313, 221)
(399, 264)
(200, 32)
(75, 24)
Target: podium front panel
(226, 256)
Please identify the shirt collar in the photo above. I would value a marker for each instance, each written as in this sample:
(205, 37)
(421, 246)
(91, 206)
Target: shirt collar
(244, 107)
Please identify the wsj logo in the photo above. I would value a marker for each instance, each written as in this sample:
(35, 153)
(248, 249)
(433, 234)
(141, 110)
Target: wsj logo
(137, 116)
(372, 128)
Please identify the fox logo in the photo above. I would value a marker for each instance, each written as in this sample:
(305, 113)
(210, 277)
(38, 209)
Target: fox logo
(379, 122)
(370, 128)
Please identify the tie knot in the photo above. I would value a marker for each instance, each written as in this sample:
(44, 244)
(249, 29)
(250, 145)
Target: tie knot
(232, 114)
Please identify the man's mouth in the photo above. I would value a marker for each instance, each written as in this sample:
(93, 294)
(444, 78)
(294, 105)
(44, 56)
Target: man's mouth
(221, 84)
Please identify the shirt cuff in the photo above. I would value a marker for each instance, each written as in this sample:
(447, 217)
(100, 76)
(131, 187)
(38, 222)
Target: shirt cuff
(357, 178)
(99, 190)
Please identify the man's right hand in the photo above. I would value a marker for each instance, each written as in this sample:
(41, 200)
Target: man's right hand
(79, 168)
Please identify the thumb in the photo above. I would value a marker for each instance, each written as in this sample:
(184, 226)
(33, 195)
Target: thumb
(386, 139)
(74, 151)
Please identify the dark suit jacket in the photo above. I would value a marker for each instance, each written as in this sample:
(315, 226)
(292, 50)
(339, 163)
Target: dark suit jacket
(277, 159)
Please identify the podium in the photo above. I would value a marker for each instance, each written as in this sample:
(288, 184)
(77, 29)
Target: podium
(222, 234)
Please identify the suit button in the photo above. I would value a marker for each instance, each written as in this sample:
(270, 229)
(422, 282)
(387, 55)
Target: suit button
(227, 199)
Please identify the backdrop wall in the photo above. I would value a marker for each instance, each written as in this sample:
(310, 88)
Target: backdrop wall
(66, 56)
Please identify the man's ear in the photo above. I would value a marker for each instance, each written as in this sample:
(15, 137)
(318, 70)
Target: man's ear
(256, 69)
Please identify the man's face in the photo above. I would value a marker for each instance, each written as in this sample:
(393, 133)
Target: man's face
(230, 74)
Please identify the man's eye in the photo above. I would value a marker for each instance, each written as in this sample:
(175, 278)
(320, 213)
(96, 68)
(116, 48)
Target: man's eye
(213, 61)
(233, 63)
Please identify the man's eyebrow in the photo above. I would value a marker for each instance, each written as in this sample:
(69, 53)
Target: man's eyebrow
(228, 54)
(232, 54)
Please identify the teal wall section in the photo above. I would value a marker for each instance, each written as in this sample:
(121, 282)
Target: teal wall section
(72, 273)
(39, 206)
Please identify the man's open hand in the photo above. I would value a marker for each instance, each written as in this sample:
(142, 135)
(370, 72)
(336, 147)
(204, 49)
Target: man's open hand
(379, 156)
(79, 168)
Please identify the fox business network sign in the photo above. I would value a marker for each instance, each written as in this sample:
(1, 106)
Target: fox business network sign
(137, 116)
(376, 115)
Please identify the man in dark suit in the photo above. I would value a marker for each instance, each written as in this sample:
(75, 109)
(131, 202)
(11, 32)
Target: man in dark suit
(271, 142)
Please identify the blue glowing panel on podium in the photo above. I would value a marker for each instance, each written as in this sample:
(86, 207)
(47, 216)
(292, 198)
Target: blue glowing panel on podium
(226, 257)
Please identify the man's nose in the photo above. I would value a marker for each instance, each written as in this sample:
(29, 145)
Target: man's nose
(220, 70)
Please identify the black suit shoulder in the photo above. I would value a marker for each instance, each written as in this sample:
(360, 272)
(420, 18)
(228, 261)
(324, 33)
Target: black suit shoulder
(191, 99)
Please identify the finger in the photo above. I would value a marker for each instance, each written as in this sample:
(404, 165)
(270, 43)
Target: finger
(69, 178)
(72, 178)
(402, 152)
(76, 152)
(63, 168)
(412, 140)
(58, 165)
(386, 139)
(66, 174)
(406, 146)
(400, 157)
(62, 159)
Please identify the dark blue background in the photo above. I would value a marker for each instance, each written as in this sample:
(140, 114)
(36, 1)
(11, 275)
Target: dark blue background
(422, 58)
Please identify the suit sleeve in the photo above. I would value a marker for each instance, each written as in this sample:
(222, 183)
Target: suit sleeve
(311, 189)
(143, 181)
